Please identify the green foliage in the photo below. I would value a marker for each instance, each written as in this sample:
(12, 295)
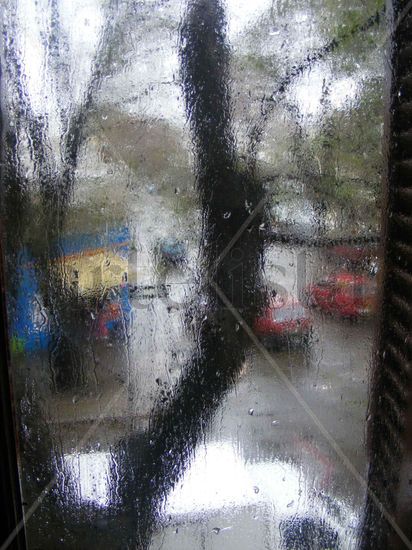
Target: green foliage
(336, 154)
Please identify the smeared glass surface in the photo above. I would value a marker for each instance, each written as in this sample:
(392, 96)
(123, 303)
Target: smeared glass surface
(191, 195)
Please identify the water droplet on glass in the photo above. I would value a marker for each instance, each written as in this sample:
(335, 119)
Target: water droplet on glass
(256, 489)
(216, 530)
(251, 411)
(227, 215)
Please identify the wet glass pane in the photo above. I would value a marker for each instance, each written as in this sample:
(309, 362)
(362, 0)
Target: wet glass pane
(191, 197)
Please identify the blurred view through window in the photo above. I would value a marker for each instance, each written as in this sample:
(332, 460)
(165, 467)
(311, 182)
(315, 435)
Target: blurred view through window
(191, 198)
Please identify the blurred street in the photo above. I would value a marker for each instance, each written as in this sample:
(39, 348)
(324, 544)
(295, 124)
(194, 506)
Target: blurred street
(263, 462)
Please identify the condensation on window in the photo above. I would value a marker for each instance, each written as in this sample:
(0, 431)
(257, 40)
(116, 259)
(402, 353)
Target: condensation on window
(191, 195)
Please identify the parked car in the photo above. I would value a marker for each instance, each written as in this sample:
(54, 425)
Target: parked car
(285, 320)
(115, 312)
(346, 294)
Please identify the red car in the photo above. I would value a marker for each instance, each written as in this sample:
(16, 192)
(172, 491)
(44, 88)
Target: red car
(347, 294)
(284, 320)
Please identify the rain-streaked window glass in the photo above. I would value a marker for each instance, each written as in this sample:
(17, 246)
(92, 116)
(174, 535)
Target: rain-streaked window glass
(191, 201)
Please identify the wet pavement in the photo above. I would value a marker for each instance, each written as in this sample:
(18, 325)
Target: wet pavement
(262, 466)
(265, 463)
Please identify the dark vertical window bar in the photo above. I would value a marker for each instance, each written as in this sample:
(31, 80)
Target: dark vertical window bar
(10, 497)
(390, 432)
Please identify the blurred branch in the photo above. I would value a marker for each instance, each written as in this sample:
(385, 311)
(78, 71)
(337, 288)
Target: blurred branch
(269, 103)
(322, 242)
(312, 175)
(56, 188)
(102, 65)
(24, 117)
(57, 58)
